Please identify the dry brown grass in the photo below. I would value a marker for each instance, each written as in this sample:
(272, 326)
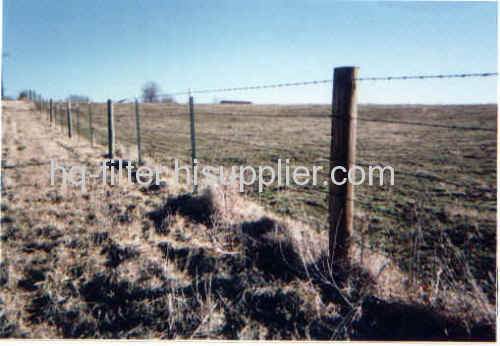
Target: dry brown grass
(97, 264)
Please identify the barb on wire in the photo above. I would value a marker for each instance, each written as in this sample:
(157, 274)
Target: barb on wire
(436, 76)
(128, 99)
(255, 87)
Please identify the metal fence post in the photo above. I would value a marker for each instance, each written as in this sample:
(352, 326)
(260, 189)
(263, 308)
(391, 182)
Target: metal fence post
(51, 111)
(193, 141)
(91, 129)
(138, 129)
(342, 154)
(58, 110)
(68, 112)
(111, 130)
(77, 111)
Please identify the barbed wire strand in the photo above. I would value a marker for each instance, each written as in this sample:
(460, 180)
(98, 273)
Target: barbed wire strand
(313, 82)
(291, 84)
(387, 78)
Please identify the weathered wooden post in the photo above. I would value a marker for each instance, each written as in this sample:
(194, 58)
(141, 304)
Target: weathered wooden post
(91, 129)
(68, 113)
(111, 130)
(193, 141)
(343, 154)
(138, 129)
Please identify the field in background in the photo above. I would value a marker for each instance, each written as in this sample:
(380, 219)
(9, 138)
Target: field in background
(440, 213)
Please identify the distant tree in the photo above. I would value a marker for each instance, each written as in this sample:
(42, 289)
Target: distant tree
(24, 94)
(167, 99)
(150, 92)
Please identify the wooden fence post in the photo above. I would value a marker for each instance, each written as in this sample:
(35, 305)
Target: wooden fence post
(91, 129)
(342, 153)
(138, 129)
(111, 130)
(70, 125)
(193, 141)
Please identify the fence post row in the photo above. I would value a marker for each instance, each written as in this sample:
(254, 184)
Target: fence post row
(91, 130)
(138, 129)
(193, 142)
(111, 130)
(68, 112)
(342, 153)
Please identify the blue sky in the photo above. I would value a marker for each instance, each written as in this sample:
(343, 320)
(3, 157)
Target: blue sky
(109, 49)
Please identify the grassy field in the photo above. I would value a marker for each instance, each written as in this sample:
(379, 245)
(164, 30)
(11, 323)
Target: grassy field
(440, 211)
(76, 263)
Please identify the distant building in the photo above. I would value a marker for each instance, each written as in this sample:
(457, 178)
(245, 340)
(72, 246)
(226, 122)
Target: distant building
(236, 102)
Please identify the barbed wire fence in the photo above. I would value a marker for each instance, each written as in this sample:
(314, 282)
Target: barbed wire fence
(329, 81)
(53, 108)
(168, 132)
(180, 136)
(60, 111)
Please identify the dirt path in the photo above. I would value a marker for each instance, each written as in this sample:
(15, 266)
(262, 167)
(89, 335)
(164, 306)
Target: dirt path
(48, 230)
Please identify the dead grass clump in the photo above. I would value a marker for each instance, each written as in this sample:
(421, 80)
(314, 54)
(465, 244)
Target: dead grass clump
(117, 254)
(99, 237)
(196, 261)
(269, 247)
(200, 209)
(32, 279)
(381, 320)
